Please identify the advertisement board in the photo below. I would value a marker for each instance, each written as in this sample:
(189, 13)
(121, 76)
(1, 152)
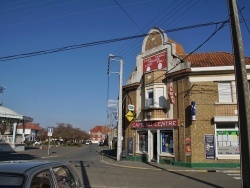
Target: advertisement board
(209, 146)
(155, 62)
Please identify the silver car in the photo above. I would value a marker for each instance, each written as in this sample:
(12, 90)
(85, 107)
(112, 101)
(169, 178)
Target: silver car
(38, 174)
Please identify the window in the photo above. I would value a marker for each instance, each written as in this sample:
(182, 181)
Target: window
(64, 177)
(227, 135)
(149, 98)
(43, 179)
(225, 91)
(159, 97)
(143, 142)
(167, 141)
(155, 97)
(11, 180)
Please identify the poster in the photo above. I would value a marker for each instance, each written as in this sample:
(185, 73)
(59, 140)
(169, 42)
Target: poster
(209, 146)
(130, 146)
(228, 142)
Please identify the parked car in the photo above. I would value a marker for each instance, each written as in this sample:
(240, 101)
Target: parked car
(37, 142)
(38, 174)
(100, 143)
(88, 142)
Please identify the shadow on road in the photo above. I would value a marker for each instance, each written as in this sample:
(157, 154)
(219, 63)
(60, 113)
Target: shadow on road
(11, 156)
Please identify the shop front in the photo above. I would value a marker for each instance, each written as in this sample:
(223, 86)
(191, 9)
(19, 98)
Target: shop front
(154, 139)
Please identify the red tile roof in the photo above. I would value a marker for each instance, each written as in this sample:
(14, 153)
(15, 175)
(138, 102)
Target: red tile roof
(99, 128)
(212, 59)
(30, 125)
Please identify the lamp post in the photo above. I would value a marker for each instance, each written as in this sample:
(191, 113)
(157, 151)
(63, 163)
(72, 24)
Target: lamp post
(119, 127)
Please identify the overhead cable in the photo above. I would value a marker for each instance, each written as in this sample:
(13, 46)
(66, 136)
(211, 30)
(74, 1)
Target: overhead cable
(84, 45)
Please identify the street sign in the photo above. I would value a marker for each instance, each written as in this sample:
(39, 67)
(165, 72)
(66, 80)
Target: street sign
(49, 134)
(130, 116)
(50, 130)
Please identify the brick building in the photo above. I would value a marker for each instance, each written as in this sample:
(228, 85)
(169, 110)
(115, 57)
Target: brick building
(185, 106)
(99, 133)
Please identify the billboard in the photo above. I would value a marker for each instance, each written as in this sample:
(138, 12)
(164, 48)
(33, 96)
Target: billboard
(155, 62)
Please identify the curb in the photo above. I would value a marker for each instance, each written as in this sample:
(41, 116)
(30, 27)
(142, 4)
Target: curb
(168, 170)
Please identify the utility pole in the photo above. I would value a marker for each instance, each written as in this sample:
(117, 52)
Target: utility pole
(242, 94)
(119, 126)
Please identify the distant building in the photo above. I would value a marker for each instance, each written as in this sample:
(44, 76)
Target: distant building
(32, 131)
(99, 133)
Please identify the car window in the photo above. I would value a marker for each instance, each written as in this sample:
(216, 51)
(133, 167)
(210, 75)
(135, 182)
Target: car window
(11, 180)
(41, 180)
(64, 177)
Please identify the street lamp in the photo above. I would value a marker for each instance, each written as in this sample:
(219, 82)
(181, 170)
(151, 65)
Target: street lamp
(119, 127)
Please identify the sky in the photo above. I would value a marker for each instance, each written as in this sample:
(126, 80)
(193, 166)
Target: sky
(72, 86)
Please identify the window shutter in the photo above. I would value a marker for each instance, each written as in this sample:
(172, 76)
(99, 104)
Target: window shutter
(225, 92)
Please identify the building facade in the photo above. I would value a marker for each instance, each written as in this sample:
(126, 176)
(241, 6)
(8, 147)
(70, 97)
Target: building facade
(99, 133)
(185, 107)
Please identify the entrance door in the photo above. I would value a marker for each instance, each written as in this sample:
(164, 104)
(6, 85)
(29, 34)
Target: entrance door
(154, 146)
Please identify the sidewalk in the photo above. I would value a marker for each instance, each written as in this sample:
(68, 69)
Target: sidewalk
(110, 158)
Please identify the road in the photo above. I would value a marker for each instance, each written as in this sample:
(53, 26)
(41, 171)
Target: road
(108, 173)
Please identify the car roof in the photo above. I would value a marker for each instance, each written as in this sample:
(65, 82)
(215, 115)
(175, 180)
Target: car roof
(24, 166)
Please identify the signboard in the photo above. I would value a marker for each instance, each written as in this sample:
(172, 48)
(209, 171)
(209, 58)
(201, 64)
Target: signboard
(49, 134)
(171, 93)
(129, 116)
(193, 111)
(155, 62)
(155, 124)
(50, 130)
(131, 107)
(209, 146)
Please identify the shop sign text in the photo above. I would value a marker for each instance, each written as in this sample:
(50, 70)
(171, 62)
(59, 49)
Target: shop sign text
(155, 124)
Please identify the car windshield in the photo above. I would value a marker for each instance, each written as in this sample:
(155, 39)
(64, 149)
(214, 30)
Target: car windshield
(11, 180)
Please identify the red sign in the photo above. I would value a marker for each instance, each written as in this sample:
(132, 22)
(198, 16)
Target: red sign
(171, 93)
(154, 124)
(155, 62)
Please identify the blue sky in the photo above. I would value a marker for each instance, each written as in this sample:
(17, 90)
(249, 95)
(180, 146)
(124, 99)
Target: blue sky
(72, 86)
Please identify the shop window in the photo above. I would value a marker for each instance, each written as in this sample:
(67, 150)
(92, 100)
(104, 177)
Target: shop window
(225, 92)
(227, 140)
(167, 141)
(143, 142)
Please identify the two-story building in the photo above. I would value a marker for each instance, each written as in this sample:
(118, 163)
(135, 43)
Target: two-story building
(185, 107)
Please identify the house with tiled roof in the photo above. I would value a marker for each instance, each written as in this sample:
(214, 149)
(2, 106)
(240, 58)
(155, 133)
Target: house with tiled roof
(31, 131)
(185, 106)
(99, 133)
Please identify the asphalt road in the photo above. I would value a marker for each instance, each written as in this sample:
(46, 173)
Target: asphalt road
(98, 171)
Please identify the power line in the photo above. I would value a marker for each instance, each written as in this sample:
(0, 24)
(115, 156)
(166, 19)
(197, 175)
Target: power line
(84, 45)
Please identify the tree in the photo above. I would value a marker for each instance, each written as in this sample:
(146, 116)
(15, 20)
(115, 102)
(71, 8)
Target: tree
(67, 132)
